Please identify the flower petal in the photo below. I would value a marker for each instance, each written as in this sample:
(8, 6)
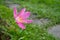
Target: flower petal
(27, 14)
(21, 25)
(15, 12)
(22, 12)
(28, 21)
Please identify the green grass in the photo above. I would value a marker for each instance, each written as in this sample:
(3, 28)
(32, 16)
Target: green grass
(31, 33)
(43, 9)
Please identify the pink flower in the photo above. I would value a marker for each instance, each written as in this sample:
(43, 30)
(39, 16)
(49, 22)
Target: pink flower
(21, 17)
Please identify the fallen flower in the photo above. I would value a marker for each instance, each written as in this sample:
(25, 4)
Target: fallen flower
(21, 17)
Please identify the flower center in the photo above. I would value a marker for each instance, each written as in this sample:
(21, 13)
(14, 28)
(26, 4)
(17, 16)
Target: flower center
(19, 19)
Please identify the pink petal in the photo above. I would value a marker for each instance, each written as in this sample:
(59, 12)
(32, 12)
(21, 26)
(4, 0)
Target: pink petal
(21, 25)
(28, 21)
(15, 12)
(22, 12)
(27, 14)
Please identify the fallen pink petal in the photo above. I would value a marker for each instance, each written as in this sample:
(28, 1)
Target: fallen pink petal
(21, 17)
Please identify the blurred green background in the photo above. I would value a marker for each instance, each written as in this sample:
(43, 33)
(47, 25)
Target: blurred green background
(9, 30)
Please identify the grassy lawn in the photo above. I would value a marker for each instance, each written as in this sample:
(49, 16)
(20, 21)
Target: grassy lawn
(43, 9)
